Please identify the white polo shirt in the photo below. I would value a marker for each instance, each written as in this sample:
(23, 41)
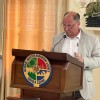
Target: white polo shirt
(70, 45)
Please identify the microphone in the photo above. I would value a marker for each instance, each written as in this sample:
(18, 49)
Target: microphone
(64, 36)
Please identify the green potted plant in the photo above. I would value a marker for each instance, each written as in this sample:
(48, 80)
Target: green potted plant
(93, 14)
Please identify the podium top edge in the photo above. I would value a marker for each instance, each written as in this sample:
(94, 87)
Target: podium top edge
(50, 55)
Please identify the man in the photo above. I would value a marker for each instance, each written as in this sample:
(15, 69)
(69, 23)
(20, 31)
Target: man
(84, 47)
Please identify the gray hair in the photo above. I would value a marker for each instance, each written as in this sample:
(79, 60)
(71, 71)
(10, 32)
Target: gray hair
(76, 17)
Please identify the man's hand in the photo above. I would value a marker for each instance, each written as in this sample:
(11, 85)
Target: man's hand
(78, 57)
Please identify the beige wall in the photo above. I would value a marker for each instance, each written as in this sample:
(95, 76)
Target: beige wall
(1, 34)
(74, 5)
(96, 74)
(1, 24)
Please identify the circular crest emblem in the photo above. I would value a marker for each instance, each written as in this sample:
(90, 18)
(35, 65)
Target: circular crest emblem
(37, 70)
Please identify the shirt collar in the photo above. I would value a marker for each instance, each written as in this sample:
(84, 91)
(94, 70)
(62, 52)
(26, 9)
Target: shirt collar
(78, 36)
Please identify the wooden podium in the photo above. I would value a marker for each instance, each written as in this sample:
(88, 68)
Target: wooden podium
(66, 78)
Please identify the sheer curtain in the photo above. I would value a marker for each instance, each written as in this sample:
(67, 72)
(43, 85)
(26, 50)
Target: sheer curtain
(30, 24)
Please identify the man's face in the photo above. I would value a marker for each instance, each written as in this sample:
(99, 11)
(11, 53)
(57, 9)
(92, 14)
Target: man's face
(71, 27)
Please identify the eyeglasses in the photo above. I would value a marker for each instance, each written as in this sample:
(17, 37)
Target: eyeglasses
(70, 26)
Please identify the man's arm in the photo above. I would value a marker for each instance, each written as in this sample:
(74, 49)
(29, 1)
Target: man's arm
(94, 60)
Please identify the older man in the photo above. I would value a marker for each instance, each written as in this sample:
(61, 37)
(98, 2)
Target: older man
(83, 46)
